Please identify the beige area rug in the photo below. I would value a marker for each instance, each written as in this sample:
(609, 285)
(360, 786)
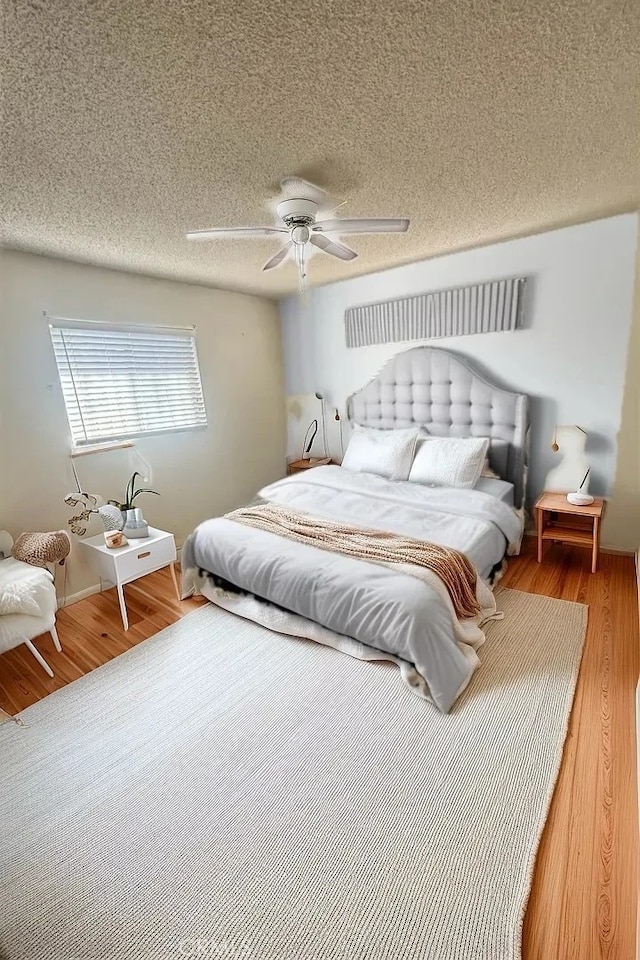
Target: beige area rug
(223, 791)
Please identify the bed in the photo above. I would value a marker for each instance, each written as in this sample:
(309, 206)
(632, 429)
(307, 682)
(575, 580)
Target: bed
(375, 610)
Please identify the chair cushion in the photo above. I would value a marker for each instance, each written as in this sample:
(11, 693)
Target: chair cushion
(27, 602)
(20, 596)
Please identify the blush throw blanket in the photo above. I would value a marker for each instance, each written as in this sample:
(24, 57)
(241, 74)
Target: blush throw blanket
(375, 546)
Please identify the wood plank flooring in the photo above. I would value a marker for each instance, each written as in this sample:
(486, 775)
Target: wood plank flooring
(91, 633)
(583, 900)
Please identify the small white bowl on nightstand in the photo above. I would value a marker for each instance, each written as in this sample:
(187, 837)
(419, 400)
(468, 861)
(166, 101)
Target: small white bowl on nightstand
(579, 499)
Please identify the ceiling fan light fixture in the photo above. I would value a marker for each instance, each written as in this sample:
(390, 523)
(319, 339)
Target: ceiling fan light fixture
(300, 234)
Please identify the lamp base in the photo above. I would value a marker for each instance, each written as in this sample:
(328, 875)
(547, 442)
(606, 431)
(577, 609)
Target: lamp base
(579, 499)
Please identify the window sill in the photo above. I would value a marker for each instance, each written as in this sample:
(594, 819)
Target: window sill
(100, 448)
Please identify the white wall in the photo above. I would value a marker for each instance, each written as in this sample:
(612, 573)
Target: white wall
(623, 514)
(570, 358)
(198, 473)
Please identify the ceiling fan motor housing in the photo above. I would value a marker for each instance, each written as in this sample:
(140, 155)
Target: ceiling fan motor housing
(297, 212)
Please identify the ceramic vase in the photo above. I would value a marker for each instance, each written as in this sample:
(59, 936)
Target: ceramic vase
(135, 525)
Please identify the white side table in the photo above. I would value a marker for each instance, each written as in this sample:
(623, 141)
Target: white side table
(123, 565)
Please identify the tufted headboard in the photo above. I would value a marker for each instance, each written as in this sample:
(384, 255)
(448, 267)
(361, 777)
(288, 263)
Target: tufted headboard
(440, 392)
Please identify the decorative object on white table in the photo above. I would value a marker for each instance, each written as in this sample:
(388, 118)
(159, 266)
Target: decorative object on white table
(579, 498)
(27, 604)
(115, 515)
(135, 560)
(131, 493)
(570, 442)
(111, 517)
(135, 525)
(115, 538)
(88, 503)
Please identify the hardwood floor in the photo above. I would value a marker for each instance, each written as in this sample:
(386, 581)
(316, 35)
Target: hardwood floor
(91, 633)
(583, 900)
(584, 895)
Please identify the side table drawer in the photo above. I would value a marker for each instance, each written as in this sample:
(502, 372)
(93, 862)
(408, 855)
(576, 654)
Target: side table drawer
(148, 557)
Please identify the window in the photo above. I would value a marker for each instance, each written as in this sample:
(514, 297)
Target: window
(120, 382)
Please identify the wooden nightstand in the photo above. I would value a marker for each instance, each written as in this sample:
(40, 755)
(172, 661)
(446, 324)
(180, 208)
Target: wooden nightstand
(297, 466)
(557, 519)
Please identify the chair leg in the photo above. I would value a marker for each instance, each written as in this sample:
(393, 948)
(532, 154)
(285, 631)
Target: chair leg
(41, 660)
(56, 639)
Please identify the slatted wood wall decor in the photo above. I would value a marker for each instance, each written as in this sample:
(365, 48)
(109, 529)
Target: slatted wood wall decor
(492, 307)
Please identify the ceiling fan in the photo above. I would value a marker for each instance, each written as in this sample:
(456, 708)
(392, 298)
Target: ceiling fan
(298, 209)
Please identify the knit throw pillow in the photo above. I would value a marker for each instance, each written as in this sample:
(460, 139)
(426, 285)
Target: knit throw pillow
(39, 549)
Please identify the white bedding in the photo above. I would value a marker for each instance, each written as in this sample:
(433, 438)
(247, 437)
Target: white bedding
(465, 520)
(384, 608)
(497, 488)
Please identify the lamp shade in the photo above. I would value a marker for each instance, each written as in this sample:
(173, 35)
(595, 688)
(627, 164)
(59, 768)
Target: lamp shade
(572, 464)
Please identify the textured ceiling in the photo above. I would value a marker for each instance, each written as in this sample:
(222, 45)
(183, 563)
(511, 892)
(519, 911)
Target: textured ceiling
(127, 122)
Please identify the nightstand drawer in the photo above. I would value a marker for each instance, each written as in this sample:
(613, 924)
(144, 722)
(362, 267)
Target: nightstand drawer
(148, 556)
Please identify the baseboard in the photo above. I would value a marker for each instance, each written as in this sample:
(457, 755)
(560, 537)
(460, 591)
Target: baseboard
(80, 595)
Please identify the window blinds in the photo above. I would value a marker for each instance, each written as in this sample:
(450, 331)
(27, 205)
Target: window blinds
(121, 382)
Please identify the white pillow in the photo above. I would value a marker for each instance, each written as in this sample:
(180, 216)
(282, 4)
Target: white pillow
(449, 461)
(386, 452)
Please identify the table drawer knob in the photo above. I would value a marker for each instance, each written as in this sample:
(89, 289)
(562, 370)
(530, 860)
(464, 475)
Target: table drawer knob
(141, 556)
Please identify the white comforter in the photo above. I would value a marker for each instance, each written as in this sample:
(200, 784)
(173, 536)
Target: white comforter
(385, 609)
(479, 525)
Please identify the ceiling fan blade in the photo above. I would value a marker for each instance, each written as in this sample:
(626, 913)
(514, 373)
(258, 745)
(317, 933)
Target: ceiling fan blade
(277, 259)
(363, 225)
(234, 232)
(336, 249)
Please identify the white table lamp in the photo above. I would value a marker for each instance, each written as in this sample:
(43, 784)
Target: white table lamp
(571, 475)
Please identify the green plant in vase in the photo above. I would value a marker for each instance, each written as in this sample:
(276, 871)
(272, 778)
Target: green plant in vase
(134, 523)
